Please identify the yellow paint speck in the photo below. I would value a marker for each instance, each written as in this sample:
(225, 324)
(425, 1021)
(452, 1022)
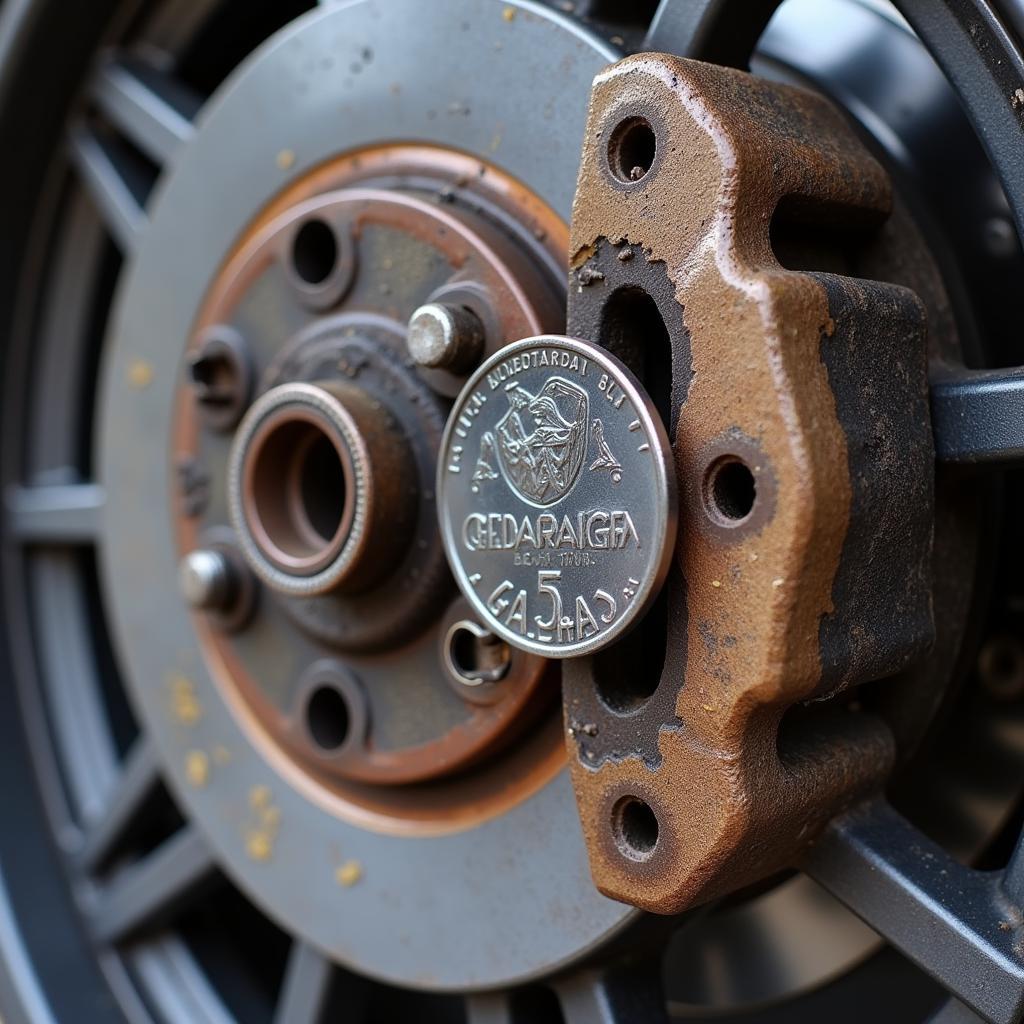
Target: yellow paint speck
(261, 833)
(778, 583)
(709, 708)
(716, 583)
(185, 705)
(259, 797)
(140, 374)
(349, 873)
(259, 846)
(197, 768)
(509, 14)
(753, 556)
(286, 159)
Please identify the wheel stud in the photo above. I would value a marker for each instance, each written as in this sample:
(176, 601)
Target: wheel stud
(222, 378)
(445, 337)
(207, 580)
(476, 660)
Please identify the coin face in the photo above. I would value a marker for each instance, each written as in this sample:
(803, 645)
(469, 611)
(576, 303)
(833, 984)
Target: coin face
(556, 496)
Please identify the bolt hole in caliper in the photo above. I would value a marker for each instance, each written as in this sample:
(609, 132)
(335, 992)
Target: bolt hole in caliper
(728, 460)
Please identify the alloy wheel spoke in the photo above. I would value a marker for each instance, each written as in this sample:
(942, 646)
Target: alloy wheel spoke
(963, 39)
(73, 689)
(152, 110)
(139, 776)
(721, 31)
(174, 979)
(175, 23)
(616, 995)
(955, 923)
(116, 185)
(978, 417)
(154, 890)
(954, 1012)
(307, 985)
(55, 513)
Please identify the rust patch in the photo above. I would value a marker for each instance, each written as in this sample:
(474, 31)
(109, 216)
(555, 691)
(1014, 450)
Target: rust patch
(685, 167)
(527, 748)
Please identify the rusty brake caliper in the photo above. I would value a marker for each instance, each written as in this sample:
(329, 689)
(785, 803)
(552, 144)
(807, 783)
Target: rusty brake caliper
(733, 420)
(797, 409)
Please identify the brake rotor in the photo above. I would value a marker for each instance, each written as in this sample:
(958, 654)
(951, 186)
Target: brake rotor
(286, 734)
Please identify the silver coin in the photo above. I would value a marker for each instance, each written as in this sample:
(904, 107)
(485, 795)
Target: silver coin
(556, 496)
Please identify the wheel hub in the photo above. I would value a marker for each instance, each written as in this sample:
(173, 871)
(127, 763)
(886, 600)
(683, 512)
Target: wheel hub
(329, 474)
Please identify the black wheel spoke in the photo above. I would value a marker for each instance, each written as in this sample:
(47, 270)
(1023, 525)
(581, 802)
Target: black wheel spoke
(954, 1012)
(955, 923)
(721, 31)
(978, 417)
(149, 107)
(965, 39)
(63, 350)
(307, 984)
(117, 187)
(172, 976)
(72, 690)
(55, 513)
(136, 783)
(154, 890)
(176, 22)
(613, 996)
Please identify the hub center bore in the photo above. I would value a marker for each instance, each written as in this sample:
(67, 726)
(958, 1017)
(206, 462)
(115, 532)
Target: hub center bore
(317, 489)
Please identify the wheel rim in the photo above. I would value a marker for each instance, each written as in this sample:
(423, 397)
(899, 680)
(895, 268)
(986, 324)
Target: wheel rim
(63, 577)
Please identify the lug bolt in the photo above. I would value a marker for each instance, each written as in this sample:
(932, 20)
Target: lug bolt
(222, 378)
(474, 656)
(207, 580)
(445, 337)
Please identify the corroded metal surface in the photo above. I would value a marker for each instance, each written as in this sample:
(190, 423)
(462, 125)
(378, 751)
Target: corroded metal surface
(329, 478)
(796, 401)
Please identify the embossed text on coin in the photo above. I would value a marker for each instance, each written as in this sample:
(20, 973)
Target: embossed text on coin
(556, 496)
